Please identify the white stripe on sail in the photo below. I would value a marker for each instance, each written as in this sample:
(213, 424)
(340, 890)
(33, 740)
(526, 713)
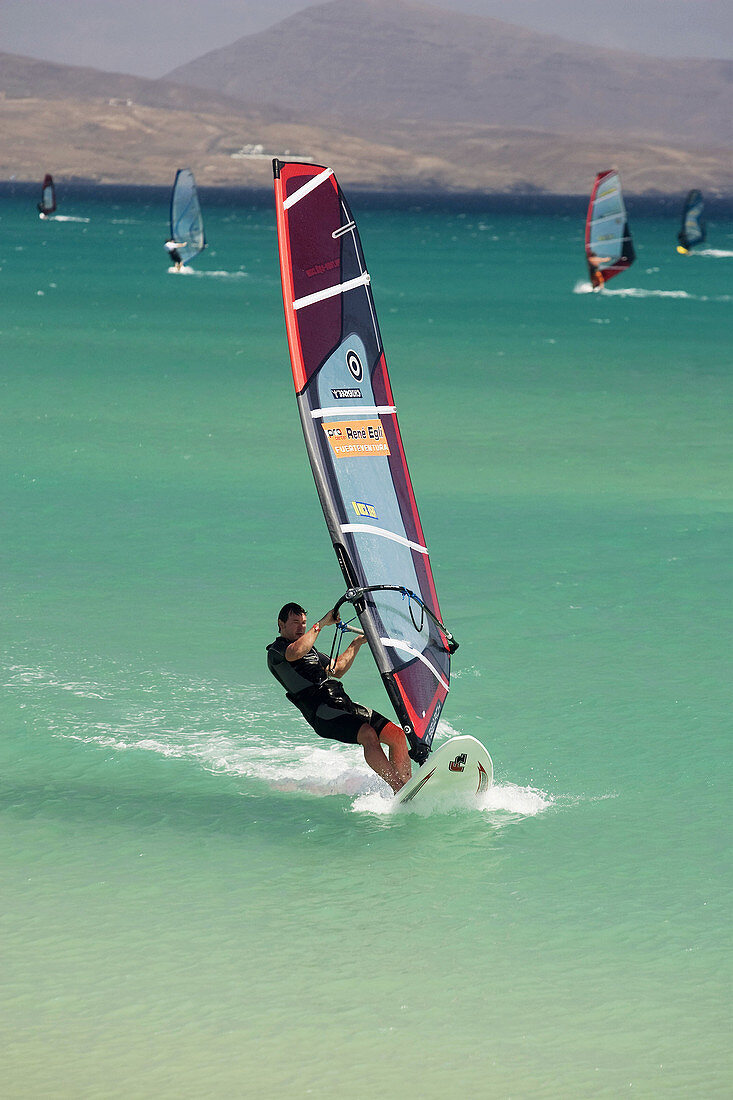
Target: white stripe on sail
(353, 410)
(396, 643)
(616, 217)
(307, 188)
(332, 291)
(351, 527)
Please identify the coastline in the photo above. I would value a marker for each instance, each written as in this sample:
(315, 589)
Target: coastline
(112, 145)
(515, 201)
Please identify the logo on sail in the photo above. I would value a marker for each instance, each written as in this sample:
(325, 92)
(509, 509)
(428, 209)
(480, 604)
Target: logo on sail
(346, 394)
(353, 362)
(363, 509)
(321, 269)
(356, 438)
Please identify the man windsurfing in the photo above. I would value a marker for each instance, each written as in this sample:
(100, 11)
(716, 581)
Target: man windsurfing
(597, 277)
(312, 685)
(172, 250)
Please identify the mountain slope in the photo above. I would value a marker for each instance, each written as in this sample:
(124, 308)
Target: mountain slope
(27, 77)
(123, 142)
(360, 59)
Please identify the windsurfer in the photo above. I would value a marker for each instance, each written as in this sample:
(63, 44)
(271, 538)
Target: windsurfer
(312, 685)
(596, 275)
(172, 249)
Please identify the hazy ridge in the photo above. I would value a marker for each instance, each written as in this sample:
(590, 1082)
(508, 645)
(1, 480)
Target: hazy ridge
(398, 60)
(397, 96)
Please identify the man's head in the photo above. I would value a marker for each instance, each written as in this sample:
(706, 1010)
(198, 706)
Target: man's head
(291, 621)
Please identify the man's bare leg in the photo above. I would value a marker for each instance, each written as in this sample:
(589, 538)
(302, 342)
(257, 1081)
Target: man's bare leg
(375, 758)
(394, 738)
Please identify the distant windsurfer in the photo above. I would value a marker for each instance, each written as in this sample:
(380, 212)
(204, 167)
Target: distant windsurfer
(312, 685)
(597, 277)
(172, 249)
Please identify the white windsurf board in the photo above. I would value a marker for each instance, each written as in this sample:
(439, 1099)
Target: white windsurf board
(461, 769)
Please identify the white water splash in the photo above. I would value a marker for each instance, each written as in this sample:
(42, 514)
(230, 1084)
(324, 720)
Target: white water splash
(583, 287)
(219, 727)
(502, 803)
(67, 218)
(230, 730)
(208, 274)
(639, 292)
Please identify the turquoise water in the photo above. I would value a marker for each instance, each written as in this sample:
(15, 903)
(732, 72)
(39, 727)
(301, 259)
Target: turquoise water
(200, 899)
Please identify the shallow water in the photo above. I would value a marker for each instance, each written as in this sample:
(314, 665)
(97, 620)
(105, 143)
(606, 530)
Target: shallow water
(202, 899)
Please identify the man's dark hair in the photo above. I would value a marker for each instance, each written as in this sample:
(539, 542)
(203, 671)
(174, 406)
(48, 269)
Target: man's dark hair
(290, 609)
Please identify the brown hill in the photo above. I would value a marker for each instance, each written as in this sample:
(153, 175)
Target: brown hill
(123, 129)
(133, 143)
(392, 59)
(29, 78)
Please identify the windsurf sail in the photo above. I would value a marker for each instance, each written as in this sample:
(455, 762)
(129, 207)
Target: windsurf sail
(608, 246)
(692, 230)
(349, 420)
(47, 205)
(187, 224)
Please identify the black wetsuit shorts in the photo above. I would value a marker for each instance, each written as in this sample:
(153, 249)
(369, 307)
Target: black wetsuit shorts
(338, 717)
(321, 699)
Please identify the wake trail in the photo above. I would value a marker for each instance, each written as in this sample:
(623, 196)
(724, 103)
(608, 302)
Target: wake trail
(226, 729)
(639, 292)
(208, 274)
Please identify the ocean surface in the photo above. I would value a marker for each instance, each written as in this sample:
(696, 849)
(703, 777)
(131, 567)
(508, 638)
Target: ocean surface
(203, 900)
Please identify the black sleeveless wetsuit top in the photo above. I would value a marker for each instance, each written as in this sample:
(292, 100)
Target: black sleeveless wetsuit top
(320, 698)
(302, 679)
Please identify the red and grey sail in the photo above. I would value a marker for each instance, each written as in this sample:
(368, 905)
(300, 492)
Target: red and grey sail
(352, 436)
(47, 205)
(609, 248)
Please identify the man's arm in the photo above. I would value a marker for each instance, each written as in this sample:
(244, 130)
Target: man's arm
(304, 644)
(346, 660)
